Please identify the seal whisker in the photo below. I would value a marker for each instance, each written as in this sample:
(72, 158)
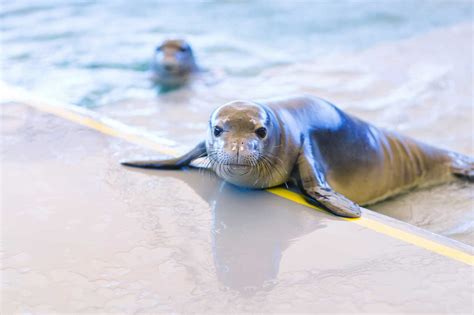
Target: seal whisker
(273, 156)
(267, 169)
(269, 165)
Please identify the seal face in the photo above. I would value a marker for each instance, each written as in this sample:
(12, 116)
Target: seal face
(336, 160)
(241, 141)
(173, 63)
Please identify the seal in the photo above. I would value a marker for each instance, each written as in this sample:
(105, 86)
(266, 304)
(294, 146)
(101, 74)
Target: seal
(173, 63)
(338, 161)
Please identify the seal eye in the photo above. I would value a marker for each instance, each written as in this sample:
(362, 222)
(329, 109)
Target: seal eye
(261, 132)
(183, 48)
(218, 131)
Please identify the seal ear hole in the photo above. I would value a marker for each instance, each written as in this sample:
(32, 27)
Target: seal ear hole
(261, 132)
(218, 131)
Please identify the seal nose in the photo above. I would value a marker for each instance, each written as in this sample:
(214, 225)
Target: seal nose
(252, 145)
(243, 146)
(168, 67)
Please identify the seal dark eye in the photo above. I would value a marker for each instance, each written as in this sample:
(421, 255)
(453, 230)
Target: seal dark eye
(261, 132)
(183, 48)
(218, 131)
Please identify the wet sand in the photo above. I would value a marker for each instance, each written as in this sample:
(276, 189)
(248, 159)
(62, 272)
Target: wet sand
(421, 87)
(82, 234)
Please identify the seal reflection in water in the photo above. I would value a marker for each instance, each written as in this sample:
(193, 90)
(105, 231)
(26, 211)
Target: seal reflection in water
(173, 63)
(338, 161)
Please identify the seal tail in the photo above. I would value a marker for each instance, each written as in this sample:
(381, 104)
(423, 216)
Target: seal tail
(462, 166)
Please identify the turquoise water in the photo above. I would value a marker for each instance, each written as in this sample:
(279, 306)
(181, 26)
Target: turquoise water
(92, 53)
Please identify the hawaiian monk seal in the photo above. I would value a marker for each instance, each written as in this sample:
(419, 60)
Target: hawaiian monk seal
(338, 161)
(173, 63)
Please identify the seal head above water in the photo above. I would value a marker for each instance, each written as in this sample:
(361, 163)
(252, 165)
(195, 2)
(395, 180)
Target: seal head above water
(173, 63)
(338, 161)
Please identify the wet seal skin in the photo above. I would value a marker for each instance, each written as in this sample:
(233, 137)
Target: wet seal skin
(338, 161)
(173, 64)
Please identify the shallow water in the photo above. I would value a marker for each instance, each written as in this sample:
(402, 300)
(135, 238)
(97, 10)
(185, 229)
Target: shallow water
(91, 53)
(405, 65)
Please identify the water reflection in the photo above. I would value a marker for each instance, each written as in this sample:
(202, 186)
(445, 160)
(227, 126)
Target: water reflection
(249, 231)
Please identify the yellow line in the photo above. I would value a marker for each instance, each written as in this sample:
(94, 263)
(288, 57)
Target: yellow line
(114, 128)
(387, 230)
(115, 131)
(87, 118)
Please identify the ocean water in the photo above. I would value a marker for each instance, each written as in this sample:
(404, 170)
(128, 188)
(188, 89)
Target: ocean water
(403, 65)
(93, 52)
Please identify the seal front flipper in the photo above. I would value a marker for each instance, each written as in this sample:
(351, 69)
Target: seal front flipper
(175, 163)
(332, 201)
(312, 182)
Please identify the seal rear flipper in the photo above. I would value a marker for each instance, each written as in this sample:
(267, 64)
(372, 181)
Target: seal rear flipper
(175, 163)
(462, 166)
(159, 164)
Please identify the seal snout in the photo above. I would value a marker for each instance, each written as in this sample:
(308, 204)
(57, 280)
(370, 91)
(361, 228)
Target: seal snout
(169, 67)
(244, 145)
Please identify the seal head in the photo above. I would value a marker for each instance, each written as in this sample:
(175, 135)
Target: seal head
(241, 139)
(173, 63)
